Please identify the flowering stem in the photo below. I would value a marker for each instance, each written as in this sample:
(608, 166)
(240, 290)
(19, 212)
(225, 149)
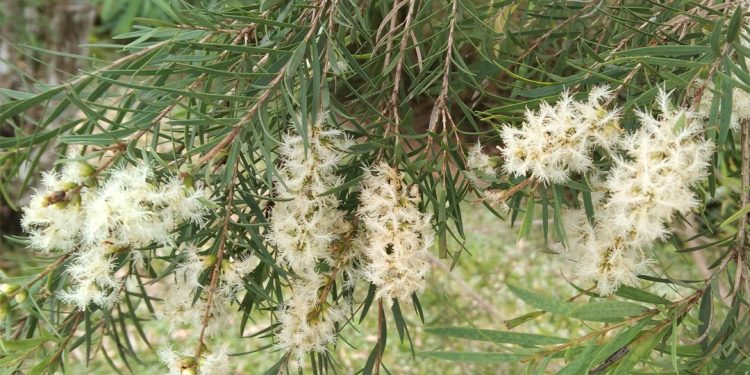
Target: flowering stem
(219, 257)
(507, 194)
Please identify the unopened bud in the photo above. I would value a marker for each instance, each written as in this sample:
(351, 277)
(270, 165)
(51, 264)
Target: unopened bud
(8, 288)
(87, 169)
(69, 186)
(208, 260)
(61, 204)
(187, 362)
(21, 296)
(188, 181)
(89, 181)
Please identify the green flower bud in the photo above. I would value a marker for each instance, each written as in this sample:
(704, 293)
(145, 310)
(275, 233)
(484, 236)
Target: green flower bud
(208, 261)
(89, 181)
(87, 169)
(21, 297)
(69, 186)
(188, 181)
(186, 362)
(61, 204)
(9, 288)
(225, 264)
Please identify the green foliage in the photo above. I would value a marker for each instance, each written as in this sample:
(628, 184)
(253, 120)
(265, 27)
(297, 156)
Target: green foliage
(207, 92)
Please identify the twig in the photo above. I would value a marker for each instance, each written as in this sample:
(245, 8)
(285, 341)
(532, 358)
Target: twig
(263, 97)
(393, 101)
(219, 257)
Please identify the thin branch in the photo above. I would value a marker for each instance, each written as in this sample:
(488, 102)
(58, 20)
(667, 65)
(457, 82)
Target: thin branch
(219, 258)
(393, 101)
(250, 115)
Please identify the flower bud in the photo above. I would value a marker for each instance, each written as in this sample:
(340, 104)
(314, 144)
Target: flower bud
(188, 181)
(186, 362)
(86, 169)
(69, 186)
(208, 261)
(89, 181)
(61, 204)
(226, 265)
(8, 288)
(21, 296)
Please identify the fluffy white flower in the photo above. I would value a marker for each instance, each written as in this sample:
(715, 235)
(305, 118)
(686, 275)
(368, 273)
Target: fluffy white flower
(395, 236)
(171, 359)
(307, 325)
(667, 156)
(52, 222)
(480, 162)
(126, 211)
(557, 140)
(305, 222)
(92, 276)
(646, 187)
(210, 363)
(233, 274)
(179, 305)
(215, 362)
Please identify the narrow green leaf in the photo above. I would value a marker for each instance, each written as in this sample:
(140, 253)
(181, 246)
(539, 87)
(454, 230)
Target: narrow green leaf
(473, 357)
(506, 337)
(733, 30)
(608, 311)
(541, 302)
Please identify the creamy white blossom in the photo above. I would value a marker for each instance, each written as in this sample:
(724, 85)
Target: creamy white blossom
(665, 158)
(643, 191)
(395, 237)
(52, 222)
(557, 140)
(233, 274)
(306, 221)
(129, 209)
(92, 274)
(179, 307)
(126, 211)
(172, 360)
(306, 323)
(215, 362)
(479, 162)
